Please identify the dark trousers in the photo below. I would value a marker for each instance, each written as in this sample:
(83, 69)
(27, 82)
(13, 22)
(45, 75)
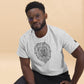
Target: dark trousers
(43, 79)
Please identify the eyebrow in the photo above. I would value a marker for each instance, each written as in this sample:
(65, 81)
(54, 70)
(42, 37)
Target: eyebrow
(35, 14)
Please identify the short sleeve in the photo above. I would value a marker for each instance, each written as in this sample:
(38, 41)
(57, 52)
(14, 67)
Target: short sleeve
(69, 44)
(21, 51)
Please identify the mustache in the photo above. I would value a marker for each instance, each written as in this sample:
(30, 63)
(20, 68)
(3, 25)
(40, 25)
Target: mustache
(35, 23)
(41, 25)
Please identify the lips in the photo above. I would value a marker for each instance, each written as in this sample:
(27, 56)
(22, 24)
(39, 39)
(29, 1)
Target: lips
(36, 24)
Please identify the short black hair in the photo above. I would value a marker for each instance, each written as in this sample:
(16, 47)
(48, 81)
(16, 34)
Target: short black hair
(35, 4)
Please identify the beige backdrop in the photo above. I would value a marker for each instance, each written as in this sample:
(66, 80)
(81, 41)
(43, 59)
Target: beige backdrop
(65, 14)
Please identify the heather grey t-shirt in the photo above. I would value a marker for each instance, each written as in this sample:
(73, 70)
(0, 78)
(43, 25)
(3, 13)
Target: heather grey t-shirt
(46, 53)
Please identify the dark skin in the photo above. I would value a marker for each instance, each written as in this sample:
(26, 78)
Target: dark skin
(79, 55)
(35, 21)
(35, 18)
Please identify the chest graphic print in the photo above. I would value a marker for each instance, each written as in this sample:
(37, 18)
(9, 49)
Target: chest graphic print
(42, 51)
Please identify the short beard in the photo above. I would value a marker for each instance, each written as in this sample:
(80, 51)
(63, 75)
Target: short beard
(42, 25)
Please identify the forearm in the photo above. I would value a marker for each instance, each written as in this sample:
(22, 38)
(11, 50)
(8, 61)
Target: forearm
(78, 70)
(28, 74)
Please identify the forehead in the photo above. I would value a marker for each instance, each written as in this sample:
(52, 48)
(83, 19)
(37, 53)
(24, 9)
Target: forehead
(34, 11)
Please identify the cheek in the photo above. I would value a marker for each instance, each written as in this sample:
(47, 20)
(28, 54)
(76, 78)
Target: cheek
(30, 22)
(41, 21)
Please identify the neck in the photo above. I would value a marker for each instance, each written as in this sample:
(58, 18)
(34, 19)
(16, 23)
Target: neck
(42, 32)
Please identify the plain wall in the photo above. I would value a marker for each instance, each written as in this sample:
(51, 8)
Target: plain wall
(65, 14)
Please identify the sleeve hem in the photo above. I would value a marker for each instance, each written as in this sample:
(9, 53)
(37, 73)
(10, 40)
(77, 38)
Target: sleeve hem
(74, 49)
(22, 55)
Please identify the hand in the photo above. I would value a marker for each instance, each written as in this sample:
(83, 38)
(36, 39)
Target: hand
(65, 82)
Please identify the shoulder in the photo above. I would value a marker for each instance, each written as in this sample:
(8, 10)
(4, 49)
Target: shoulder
(57, 31)
(26, 35)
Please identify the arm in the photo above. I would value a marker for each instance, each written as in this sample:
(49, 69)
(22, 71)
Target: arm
(79, 55)
(27, 72)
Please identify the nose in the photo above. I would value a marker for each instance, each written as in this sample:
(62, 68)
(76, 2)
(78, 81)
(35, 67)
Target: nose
(34, 19)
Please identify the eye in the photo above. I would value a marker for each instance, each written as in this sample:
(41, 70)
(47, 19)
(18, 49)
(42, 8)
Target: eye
(30, 18)
(37, 16)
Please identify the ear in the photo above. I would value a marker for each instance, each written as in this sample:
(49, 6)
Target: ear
(45, 15)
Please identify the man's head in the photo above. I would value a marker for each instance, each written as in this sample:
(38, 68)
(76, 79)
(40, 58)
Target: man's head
(35, 12)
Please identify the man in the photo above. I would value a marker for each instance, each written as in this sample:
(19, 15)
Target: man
(43, 45)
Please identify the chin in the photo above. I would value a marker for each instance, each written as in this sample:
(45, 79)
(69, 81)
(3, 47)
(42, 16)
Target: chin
(36, 27)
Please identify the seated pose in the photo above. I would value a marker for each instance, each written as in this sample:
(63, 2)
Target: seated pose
(42, 46)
